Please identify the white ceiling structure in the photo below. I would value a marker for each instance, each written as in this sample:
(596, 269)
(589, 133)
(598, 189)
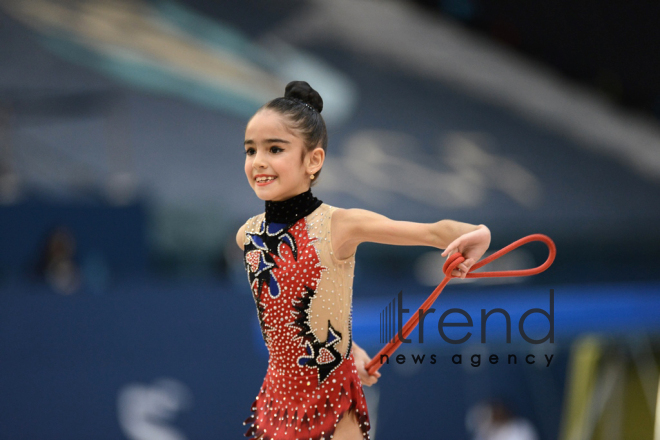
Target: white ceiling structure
(400, 35)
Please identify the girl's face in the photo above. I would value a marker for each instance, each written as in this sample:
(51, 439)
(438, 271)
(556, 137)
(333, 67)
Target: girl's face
(273, 151)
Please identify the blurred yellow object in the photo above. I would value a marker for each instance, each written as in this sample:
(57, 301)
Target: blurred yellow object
(585, 355)
(611, 390)
(656, 435)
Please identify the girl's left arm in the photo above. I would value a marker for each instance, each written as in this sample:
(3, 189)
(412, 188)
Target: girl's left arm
(354, 226)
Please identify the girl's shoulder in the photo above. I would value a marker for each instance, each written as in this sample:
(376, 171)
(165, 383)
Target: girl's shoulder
(326, 207)
(251, 225)
(334, 212)
(330, 208)
(325, 210)
(255, 221)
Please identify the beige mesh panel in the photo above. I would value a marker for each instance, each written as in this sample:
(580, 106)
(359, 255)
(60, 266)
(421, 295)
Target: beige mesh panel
(334, 294)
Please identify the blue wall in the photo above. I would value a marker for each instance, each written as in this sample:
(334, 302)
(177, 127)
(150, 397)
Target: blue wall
(64, 361)
(188, 357)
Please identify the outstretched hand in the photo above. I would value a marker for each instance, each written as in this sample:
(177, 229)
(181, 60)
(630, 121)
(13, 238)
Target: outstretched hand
(361, 360)
(472, 246)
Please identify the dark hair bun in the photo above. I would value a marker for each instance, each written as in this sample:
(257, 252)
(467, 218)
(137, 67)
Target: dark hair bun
(302, 91)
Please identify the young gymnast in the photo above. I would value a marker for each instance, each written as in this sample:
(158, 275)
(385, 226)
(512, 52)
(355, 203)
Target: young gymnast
(299, 256)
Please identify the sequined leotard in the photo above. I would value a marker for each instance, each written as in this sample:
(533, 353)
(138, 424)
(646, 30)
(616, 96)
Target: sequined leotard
(303, 295)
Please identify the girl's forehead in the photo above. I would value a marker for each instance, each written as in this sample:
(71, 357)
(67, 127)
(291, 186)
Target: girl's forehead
(267, 123)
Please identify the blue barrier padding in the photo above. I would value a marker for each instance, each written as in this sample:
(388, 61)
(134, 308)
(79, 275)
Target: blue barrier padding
(615, 309)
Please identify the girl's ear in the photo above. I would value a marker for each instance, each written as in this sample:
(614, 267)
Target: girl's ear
(315, 160)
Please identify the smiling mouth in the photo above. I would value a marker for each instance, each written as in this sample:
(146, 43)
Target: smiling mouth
(264, 180)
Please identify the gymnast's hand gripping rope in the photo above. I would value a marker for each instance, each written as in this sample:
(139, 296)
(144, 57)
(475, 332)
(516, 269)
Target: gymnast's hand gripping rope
(452, 261)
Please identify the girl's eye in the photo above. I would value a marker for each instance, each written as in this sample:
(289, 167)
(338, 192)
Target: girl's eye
(274, 149)
(249, 151)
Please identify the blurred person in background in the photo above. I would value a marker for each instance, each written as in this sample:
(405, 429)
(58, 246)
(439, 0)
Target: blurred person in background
(495, 420)
(57, 264)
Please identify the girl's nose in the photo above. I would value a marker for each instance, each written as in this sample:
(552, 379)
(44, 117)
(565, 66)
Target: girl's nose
(259, 160)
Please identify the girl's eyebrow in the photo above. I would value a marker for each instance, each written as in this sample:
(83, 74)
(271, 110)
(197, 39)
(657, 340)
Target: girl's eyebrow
(268, 141)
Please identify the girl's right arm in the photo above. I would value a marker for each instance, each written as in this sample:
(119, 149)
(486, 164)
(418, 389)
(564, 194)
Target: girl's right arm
(240, 237)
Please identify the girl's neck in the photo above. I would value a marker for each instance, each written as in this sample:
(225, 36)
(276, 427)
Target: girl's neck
(292, 209)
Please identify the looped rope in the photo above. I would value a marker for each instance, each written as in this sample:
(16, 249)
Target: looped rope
(452, 262)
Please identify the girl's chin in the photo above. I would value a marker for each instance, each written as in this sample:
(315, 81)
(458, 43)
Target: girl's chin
(271, 192)
(266, 193)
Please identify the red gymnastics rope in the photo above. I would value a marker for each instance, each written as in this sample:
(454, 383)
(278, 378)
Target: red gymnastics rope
(454, 260)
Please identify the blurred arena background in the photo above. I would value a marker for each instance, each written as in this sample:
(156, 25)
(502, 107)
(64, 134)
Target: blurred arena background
(125, 311)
